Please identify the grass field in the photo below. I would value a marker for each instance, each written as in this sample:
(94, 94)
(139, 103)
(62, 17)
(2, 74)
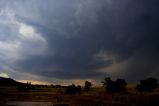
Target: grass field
(96, 97)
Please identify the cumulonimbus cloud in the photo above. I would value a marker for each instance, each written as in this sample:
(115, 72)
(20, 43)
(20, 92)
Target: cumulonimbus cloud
(81, 39)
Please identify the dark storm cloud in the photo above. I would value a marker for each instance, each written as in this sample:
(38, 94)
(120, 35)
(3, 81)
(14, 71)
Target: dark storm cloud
(87, 36)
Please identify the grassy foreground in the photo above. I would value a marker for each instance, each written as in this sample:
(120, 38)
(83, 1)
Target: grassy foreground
(96, 97)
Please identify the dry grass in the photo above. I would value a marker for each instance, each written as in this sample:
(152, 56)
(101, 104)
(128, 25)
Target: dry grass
(96, 97)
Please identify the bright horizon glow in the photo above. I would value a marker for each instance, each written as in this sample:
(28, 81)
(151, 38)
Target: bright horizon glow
(34, 82)
(4, 74)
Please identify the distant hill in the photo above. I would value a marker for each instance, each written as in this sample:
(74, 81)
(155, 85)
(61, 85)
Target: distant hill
(8, 82)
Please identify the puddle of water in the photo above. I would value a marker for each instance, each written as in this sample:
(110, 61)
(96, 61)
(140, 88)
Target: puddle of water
(18, 103)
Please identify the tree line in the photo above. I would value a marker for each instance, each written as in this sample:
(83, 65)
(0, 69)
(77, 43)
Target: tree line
(117, 86)
(111, 86)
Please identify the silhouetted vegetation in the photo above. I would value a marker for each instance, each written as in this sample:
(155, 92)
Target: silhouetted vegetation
(78, 89)
(61, 95)
(72, 89)
(25, 87)
(87, 86)
(115, 86)
(147, 85)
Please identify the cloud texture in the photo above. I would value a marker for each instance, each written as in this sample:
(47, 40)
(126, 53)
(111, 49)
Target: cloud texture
(79, 39)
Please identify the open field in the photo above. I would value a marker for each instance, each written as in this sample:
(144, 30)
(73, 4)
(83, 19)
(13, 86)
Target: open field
(96, 97)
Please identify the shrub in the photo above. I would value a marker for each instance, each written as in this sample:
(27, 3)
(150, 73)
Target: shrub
(72, 89)
(147, 85)
(115, 86)
(25, 87)
(87, 86)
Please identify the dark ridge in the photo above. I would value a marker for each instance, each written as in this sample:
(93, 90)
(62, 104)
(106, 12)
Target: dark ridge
(8, 82)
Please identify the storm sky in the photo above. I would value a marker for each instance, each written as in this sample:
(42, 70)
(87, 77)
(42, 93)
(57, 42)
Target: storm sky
(57, 41)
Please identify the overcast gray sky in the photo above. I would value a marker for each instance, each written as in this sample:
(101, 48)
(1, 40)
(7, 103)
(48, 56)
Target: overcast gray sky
(75, 40)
